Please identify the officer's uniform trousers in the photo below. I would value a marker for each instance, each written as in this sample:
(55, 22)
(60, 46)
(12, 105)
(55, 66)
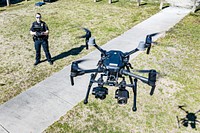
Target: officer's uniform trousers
(44, 43)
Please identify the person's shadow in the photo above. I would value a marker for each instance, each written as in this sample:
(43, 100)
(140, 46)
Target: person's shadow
(73, 51)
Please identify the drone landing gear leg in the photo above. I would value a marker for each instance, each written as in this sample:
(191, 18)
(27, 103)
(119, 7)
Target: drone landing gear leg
(93, 76)
(135, 95)
(134, 90)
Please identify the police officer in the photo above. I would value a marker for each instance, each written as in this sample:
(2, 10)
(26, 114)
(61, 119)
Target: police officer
(40, 31)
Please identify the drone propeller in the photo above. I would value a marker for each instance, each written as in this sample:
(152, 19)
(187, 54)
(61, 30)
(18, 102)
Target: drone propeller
(86, 36)
(149, 41)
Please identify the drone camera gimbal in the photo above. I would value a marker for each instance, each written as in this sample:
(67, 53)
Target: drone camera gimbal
(113, 66)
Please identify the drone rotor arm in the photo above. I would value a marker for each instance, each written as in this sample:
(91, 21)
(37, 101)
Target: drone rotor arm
(131, 52)
(82, 72)
(181, 107)
(92, 42)
(143, 79)
(100, 49)
(92, 70)
(150, 80)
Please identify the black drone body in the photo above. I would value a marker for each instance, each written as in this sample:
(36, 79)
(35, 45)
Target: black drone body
(112, 68)
(112, 62)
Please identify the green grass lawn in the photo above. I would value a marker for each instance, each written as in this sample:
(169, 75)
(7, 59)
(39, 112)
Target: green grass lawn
(177, 59)
(64, 18)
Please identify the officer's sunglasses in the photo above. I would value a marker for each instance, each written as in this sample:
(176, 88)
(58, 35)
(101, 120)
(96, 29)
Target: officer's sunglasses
(38, 17)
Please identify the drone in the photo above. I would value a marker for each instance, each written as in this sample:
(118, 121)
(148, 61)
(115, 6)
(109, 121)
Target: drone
(111, 70)
(189, 119)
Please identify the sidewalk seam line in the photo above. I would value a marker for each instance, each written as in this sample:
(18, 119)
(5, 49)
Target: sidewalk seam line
(61, 98)
(4, 128)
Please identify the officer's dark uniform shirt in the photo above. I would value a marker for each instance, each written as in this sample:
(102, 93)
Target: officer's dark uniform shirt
(39, 27)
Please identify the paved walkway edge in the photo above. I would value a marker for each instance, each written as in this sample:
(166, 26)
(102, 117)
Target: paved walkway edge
(40, 106)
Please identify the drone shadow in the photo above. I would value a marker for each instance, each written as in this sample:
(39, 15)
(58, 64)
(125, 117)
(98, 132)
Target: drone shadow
(189, 120)
(73, 51)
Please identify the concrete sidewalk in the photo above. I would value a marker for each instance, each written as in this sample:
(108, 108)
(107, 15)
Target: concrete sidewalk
(43, 104)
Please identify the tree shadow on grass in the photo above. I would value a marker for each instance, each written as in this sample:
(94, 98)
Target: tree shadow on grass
(12, 2)
(1, 10)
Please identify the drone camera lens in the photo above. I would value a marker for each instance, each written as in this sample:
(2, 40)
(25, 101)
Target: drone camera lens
(122, 100)
(122, 96)
(100, 92)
